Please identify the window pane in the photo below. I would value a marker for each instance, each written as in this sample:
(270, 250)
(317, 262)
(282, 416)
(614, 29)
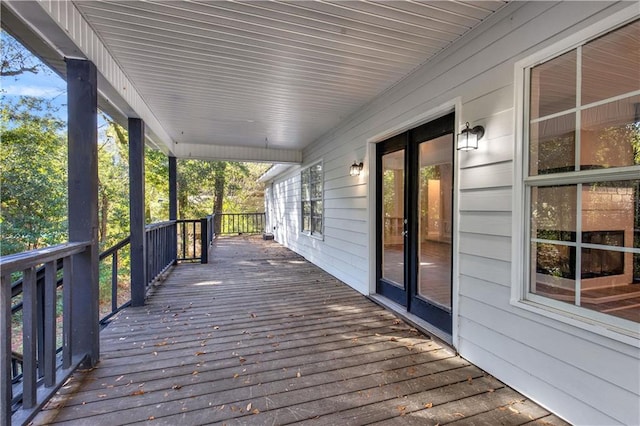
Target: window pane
(304, 182)
(610, 135)
(602, 263)
(316, 224)
(611, 213)
(553, 271)
(553, 213)
(553, 86)
(611, 64)
(610, 283)
(552, 145)
(306, 216)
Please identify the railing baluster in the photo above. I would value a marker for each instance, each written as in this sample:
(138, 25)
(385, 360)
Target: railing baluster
(29, 333)
(5, 350)
(49, 350)
(67, 280)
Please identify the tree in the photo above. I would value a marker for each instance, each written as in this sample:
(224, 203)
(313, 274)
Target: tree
(33, 178)
(17, 60)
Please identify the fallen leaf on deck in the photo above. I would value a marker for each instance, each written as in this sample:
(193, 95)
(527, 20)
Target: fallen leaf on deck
(151, 418)
(215, 327)
(396, 321)
(235, 376)
(102, 395)
(469, 379)
(253, 315)
(155, 353)
(393, 339)
(195, 373)
(138, 392)
(270, 336)
(249, 407)
(200, 353)
(255, 411)
(160, 344)
(428, 405)
(514, 410)
(119, 378)
(176, 387)
(298, 374)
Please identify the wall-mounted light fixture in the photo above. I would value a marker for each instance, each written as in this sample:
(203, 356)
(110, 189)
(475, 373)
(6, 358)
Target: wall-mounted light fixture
(356, 169)
(469, 137)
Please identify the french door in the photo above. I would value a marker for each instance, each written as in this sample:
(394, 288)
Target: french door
(415, 220)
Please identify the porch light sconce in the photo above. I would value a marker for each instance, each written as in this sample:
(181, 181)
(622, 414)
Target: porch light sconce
(469, 137)
(356, 169)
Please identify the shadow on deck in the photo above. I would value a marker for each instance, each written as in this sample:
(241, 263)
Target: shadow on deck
(261, 336)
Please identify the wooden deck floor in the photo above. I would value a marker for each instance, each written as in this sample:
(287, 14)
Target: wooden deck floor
(260, 336)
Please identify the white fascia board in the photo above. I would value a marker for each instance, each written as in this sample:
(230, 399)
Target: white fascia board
(61, 26)
(273, 172)
(237, 153)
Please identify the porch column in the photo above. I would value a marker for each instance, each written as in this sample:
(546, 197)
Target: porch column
(136, 211)
(82, 101)
(173, 205)
(173, 188)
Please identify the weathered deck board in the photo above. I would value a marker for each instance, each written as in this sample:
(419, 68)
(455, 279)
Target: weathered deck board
(260, 336)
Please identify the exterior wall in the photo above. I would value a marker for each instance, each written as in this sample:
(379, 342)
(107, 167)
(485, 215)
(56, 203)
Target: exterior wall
(584, 376)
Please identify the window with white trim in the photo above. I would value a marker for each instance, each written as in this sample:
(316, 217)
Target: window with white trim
(311, 188)
(582, 179)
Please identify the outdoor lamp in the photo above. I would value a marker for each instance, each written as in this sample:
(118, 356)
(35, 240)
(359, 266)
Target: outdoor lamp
(468, 138)
(355, 169)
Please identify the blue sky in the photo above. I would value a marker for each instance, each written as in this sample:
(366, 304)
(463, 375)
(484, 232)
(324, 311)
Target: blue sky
(45, 84)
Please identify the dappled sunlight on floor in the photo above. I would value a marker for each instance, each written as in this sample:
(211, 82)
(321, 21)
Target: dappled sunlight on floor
(260, 336)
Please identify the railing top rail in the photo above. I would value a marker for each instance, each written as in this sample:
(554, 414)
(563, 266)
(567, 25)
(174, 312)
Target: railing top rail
(108, 252)
(158, 225)
(187, 220)
(20, 261)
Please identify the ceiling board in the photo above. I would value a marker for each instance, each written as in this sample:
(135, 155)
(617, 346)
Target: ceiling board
(278, 73)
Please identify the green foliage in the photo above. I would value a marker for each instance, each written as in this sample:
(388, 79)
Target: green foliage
(33, 182)
(226, 186)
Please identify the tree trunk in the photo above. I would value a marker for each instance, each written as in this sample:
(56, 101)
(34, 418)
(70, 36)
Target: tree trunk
(104, 215)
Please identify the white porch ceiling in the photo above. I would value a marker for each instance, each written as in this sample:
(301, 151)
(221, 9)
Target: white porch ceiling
(242, 80)
(270, 74)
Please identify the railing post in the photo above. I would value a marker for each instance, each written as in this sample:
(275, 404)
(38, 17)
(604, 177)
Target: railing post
(137, 213)
(204, 244)
(82, 94)
(5, 350)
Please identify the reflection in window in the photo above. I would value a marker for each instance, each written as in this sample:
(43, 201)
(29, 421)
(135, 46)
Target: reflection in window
(311, 182)
(585, 226)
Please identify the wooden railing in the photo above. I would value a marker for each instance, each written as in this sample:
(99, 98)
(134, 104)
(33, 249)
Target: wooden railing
(40, 363)
(238, 223)
(41, 280)
(193, 240)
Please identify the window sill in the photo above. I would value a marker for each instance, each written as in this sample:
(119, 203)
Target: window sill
(319, 237)
(542, 307)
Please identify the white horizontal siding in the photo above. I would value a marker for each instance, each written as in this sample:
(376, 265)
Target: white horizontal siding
(530, 352)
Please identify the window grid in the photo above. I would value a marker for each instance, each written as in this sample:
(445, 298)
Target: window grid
(312, 208)
(576, 177)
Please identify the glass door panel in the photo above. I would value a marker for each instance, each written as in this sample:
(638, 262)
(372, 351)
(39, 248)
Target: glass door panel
(435, 213)
(393, 218)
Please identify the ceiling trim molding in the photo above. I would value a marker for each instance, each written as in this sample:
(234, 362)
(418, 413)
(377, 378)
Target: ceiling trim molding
(237, 153)
(61, 27)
